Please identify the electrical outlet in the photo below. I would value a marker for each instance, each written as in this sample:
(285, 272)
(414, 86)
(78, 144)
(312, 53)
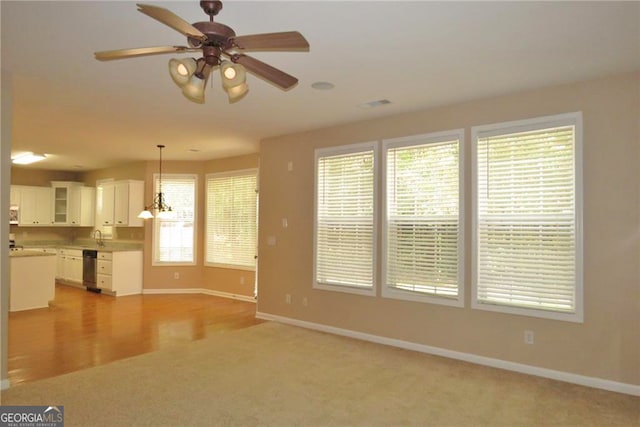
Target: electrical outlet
(290, 166)
(287, 298)
(176, 275)
(242, 280)
(529, 337)
(305, 302)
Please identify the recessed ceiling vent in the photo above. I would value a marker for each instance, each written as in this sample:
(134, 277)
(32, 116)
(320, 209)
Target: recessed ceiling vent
(372, 104)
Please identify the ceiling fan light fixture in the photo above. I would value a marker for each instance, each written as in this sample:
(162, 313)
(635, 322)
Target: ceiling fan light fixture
(214, 39)
(236, 93)
(232, 74)
(181, 70)
(194, 89)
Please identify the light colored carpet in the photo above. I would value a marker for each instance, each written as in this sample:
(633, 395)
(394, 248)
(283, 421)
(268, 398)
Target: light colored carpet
(279, 375)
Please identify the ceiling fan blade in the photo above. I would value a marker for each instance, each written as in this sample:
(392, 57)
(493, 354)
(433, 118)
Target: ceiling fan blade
(266, 71)
(288, 40)
(172, 20)
(108, 55)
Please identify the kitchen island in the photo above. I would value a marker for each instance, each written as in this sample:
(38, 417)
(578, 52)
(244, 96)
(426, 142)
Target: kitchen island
(33, 279)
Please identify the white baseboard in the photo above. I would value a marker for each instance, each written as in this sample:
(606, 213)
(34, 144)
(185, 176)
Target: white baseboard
(600, 383)
(199, 291)
(4, 384)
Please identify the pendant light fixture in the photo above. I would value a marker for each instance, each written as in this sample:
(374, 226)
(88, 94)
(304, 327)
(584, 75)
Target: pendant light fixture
(159, 206)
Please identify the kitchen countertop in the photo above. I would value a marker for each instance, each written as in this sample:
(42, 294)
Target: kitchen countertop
(84, 244)
(27, 253)
(98, 248)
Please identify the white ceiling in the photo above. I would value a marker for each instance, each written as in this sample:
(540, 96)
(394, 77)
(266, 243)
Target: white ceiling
(88, 114)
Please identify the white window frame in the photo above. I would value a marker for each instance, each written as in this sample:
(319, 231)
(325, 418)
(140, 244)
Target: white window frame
(417, 140)
(155, 262)
(568, 119)
(336, 151)
(243, 172)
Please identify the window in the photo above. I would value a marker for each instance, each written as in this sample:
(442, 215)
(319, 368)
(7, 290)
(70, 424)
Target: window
(345, 225)
(423, 236)
(527, 217)
(231, 219)
(174, 238)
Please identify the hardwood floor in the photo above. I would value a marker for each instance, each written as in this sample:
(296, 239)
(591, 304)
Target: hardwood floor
(83, 329)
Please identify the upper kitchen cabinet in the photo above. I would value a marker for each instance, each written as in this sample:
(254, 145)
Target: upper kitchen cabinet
(73, 204)
(82, 207)
(35, 206)
(63, 204)
(118, 203)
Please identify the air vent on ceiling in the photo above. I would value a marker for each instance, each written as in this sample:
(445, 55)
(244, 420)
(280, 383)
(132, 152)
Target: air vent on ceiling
(377, 103)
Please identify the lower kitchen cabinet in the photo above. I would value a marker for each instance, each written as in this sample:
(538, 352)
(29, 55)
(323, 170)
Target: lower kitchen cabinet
(120, 272)
(69, 265)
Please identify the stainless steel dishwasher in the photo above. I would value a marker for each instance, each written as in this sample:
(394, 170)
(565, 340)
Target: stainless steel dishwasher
(90, 270)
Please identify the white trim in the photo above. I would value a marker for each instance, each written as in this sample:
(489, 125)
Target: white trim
(600, 383)
(175, 291)
(339, 151)
(154, 230)
(5, 384)
(412, 141)
(518, 126)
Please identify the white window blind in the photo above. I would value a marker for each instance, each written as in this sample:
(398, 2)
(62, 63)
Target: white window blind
(174, 238)
(423, 233)
(527, 253)
(345, 223)
(231, 219)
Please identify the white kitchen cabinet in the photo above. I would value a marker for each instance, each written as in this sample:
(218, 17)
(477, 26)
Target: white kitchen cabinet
(82, 207)
(64, 195)
(69, 266)
(118, 203)
(31, 282)
(35, 206)
(14, 195)
(120, 272)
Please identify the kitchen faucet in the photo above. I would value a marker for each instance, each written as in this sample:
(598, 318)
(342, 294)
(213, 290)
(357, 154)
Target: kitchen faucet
(99, 241)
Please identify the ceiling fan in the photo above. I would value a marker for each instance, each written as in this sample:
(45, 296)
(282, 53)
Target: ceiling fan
(220, 47)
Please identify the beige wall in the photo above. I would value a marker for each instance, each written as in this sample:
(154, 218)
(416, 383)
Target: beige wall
(40, 177)
(605, 346)
(131, 170)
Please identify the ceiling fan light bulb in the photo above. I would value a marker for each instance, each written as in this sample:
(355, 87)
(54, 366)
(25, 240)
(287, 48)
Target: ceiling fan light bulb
(229, 73)
(181, 70)
(232, 74)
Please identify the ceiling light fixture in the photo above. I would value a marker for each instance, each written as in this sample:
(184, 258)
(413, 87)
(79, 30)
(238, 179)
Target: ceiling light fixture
(27, 158)
(159, 206)
(216, 42)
